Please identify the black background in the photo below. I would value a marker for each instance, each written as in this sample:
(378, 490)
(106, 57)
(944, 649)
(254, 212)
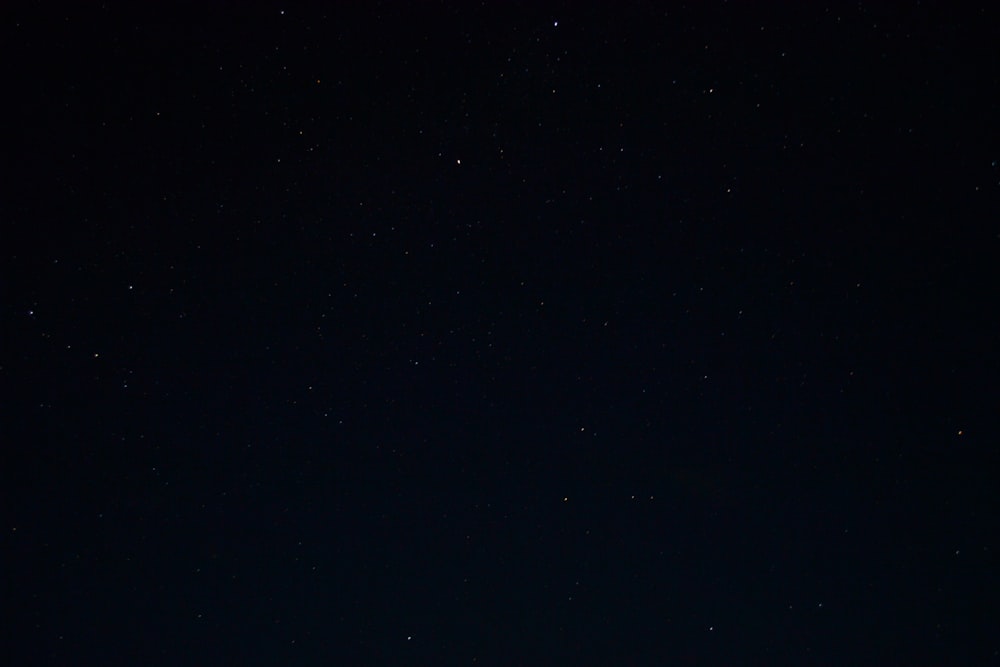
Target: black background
(501, 334)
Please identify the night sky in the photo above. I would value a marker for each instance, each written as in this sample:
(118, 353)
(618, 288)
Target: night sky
(496, 334)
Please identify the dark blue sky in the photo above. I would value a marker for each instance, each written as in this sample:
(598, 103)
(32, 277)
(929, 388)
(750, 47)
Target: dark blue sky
(462, 335)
